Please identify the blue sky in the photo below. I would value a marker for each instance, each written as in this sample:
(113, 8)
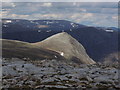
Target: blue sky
(92, 14)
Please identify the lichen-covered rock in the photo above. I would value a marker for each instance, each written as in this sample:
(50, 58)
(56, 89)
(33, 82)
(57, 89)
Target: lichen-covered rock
(18, 73)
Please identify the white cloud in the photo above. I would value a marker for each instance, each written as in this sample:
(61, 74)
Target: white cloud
(19, 16)
(115, 17)
(46, 16)
(83, 13)
(83, 10)
(61, 1)
(4, 13)
(88, 15)
(47, 4)
(8, 4)
(14, 16)
(78, 17)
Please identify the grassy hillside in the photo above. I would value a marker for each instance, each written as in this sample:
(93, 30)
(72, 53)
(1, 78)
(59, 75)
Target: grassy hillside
(13, 48)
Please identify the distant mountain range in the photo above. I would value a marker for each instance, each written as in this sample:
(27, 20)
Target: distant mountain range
(18, 25)
(98, 42)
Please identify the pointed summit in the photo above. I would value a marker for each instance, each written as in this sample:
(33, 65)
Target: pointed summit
(66, 46)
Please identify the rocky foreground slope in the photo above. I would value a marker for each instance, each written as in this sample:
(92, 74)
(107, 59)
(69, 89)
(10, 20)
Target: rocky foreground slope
(53, 74)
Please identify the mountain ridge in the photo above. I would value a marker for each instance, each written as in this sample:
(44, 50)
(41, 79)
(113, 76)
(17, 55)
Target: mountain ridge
(73, 52)
(67, 46)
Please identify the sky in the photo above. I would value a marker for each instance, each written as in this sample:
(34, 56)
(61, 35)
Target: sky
(104, 14)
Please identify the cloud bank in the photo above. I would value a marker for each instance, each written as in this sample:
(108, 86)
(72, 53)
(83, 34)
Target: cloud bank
(95, 14)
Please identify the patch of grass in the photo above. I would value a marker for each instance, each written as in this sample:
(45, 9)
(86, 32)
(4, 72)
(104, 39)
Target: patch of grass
(83, 79)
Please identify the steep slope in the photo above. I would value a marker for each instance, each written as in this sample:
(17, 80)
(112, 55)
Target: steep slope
(18, 49)
(67, 46)
(98, 43)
